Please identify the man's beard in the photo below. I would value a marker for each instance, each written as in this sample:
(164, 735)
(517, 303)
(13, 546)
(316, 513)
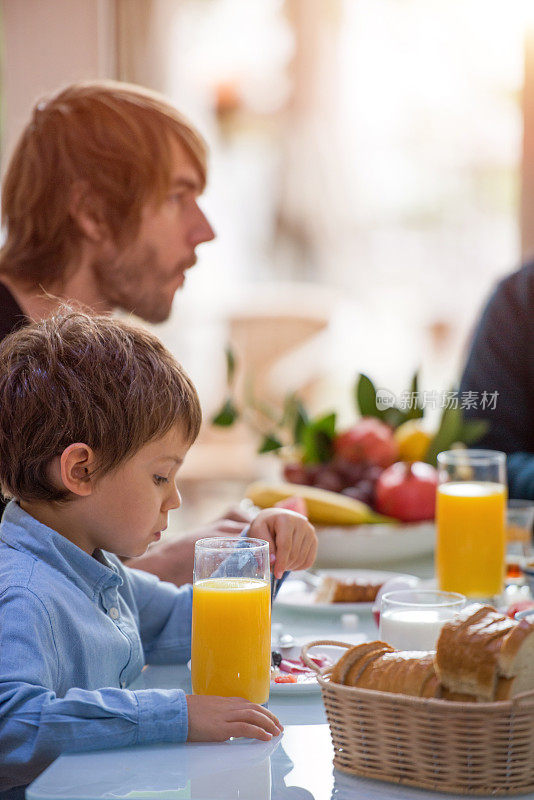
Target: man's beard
(135, 283)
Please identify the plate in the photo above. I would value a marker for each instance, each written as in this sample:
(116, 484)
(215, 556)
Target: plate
(297, 595)
(307, 687)
(373, 545)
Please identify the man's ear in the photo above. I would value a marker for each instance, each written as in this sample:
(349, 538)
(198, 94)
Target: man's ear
(86, 209)
(76, 466)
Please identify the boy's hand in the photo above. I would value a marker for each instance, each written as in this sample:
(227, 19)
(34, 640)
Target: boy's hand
(292, 539)
(215, 719)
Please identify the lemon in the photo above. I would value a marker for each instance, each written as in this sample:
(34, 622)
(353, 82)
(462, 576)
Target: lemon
(412, 440)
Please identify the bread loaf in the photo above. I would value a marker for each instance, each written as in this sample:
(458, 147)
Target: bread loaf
(337, 590)
(376, 665)
(480, 648)
(481, 656)
(353, 657)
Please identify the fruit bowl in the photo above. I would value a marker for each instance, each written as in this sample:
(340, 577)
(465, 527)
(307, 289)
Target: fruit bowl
(350, 533)
(373, 545)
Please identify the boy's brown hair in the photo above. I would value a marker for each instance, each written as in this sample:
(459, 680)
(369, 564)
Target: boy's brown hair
(91, 379)
(110, 139)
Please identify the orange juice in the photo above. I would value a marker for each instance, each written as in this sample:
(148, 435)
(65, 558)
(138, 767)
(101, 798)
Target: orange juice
(470, 519)
(231, 638)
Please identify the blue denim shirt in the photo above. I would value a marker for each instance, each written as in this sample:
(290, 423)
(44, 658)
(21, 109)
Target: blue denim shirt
(74, 632)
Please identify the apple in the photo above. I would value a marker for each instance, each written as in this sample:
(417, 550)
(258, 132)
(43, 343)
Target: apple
(294, 503)
(407, 491)
(370, 440)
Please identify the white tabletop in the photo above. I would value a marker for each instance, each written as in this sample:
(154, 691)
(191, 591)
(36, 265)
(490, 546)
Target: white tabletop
(295, 766)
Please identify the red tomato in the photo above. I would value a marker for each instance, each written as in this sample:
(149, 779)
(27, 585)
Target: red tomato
(285, 679)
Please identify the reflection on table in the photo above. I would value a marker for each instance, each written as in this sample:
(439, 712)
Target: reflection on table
(295, 766)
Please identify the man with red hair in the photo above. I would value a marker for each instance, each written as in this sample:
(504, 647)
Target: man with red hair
(100, 208)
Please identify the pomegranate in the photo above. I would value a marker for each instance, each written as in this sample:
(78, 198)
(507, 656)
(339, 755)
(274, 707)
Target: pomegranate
(370, 440)
(407, 491)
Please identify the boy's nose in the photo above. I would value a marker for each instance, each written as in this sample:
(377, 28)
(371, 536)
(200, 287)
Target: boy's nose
(174, 500)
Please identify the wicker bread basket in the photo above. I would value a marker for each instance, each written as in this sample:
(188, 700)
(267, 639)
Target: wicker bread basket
(462, 748)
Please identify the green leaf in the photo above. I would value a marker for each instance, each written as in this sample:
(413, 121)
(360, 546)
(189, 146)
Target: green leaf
(269, 443)
(226, 415)
(365, 393)
(416, 411)
(300, 422)
(318, 438)
(473, 430)
(448, 432)
(295, 417)
(394, 417)
(231, 364)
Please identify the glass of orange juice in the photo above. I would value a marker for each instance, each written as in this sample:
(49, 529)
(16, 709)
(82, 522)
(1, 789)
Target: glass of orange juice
(231, 635)
(470, 520)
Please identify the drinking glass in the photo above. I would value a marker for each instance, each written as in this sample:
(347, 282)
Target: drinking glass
(519, 521)
(231, 634)
(470, 520)
(411, 619)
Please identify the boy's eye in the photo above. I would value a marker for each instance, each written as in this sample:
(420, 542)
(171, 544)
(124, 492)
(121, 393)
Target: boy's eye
(159, 479)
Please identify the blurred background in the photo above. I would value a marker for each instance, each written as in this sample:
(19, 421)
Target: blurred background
(371, 177)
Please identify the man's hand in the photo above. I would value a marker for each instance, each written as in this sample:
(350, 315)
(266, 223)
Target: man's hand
(292, 539)
(173, 560)
(215, 719)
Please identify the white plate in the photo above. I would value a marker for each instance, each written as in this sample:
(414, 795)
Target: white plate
(311, 685)
(373, 545)
(295, 594)
(306, 687)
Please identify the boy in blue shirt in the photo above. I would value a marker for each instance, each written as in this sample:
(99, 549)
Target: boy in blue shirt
(96, 418)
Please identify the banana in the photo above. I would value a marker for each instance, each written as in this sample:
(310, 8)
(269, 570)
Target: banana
(324, 507)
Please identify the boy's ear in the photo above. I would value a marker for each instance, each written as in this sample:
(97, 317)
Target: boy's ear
(86, 210)
(76, 465)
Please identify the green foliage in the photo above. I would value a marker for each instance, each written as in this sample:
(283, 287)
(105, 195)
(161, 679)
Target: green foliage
(318, 439)
(295, 417)
(314, 437)
(269, 444)
(365, 394)
(453, 429)
(231, 364)
(227, 414)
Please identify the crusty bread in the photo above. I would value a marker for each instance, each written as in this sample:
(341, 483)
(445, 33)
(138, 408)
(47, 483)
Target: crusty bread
(351, 658)
(337, 590)
(378, 666)
(481, 656)
(360, 664)
(479, 648)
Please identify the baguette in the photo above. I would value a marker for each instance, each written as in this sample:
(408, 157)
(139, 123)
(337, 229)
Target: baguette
(355, 672)
(351, 658)
(481, 656)
(479, 648)
(378, 666)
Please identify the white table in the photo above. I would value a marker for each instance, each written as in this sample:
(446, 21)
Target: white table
(295, 766)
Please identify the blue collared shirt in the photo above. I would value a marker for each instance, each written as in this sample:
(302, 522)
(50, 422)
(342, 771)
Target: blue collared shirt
(74, 632)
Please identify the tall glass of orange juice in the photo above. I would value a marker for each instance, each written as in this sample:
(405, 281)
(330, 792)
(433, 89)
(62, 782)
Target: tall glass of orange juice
(470, 519)
(231, 635)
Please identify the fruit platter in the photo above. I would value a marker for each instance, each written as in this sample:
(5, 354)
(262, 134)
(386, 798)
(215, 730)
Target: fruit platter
(370, 488)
